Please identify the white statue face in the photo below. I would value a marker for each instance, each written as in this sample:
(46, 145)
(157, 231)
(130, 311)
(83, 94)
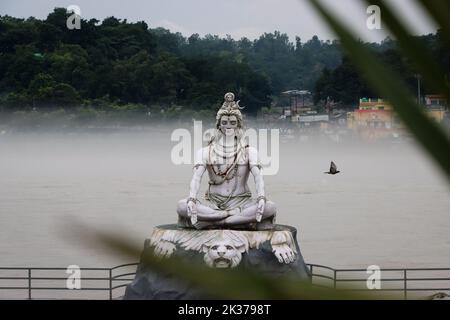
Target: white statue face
(228, 125)
(222, 254)
(229, 97)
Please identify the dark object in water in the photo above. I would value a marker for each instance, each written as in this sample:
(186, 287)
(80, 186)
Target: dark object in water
(333, 169)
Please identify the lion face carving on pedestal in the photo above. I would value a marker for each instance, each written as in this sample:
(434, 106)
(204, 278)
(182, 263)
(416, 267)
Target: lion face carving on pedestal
(222, 253)
(223, 248)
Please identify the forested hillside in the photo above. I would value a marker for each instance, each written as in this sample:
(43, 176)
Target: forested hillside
(44, 65)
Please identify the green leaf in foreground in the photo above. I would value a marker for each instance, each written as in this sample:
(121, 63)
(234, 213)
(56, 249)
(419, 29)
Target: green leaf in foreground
(388, 84)
(218, 283)
(439, 11)
(414, 50)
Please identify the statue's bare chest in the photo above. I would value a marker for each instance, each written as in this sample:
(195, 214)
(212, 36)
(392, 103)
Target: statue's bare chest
(225, 170)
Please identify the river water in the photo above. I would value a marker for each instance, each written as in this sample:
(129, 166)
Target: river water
(389, 206)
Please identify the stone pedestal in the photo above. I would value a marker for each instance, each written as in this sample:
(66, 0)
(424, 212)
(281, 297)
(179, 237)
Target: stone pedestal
(272, 252)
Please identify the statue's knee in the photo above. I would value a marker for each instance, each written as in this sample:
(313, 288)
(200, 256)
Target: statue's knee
(270, 208)
(182, 207)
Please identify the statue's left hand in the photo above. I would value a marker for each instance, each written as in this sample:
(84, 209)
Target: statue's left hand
(260, 210)
(283, 253)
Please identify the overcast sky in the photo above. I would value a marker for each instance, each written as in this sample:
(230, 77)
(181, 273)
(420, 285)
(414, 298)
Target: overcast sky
(238, 18)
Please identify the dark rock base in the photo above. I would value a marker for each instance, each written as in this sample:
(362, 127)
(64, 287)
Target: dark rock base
(255, 253)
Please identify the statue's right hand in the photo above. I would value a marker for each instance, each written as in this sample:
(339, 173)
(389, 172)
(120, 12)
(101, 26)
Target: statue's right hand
(192, 211)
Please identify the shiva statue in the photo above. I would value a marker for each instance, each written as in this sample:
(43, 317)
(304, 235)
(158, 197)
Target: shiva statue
(228, 202)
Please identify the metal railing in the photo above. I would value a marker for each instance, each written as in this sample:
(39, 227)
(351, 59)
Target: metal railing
(37, 283)
(110, 283)
(408, 283)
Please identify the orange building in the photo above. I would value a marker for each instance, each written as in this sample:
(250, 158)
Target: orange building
(435, 101)
(436, 106)
(373, 119)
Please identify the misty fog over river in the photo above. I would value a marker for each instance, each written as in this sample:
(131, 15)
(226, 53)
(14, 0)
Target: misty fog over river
(389, 206)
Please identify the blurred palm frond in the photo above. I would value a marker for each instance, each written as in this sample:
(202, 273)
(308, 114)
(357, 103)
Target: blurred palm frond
(389, 85)
(438, 11)
(411, 48)
(237, 284)
(218, 283)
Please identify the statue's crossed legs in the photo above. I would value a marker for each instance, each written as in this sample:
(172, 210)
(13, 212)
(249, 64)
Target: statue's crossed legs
(209, 217)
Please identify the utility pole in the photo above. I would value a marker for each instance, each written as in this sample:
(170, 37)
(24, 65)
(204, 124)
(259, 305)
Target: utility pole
(418, 76)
